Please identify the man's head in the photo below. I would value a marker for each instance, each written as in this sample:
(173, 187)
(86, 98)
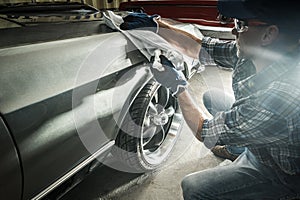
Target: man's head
(284, 13)
(263, 24)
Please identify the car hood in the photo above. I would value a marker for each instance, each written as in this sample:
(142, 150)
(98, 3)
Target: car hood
(18, 14)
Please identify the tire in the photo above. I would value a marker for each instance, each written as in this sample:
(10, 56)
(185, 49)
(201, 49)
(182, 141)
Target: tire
(150, 129)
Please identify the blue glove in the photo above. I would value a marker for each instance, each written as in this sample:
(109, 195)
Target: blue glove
(169, 77)
(140, 20)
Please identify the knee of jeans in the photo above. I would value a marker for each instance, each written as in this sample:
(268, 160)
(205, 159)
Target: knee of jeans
(184, 185)
(185, 189)
(206, 99)
(189, 187)
(196, 187)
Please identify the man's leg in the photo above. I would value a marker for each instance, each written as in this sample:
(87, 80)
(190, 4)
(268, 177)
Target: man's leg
(245, 178)
(217, 100)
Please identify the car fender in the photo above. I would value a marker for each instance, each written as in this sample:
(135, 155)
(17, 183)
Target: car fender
(39, 83)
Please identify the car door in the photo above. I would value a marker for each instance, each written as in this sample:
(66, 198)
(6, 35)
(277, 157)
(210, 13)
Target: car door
(37, 101)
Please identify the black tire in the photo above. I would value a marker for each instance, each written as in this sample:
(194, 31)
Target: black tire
(150, 129)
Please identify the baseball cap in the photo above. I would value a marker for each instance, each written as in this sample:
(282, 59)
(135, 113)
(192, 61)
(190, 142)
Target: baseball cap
(270, 11)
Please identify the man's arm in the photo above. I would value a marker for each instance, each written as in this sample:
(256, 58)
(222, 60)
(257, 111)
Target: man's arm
(193, 116)
(185, 42)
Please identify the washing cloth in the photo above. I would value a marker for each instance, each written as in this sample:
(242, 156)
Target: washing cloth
(149, 43)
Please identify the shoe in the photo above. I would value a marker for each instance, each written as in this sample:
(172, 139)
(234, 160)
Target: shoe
(221, 151)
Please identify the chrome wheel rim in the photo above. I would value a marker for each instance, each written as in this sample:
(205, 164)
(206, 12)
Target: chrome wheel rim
(161, 126)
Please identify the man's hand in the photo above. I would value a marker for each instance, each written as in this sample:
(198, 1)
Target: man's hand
(168, 76)
(140, 20)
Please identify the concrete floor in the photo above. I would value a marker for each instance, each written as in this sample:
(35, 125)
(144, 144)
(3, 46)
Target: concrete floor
(188, 156)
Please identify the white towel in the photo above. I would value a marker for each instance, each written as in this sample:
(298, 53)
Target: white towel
(148, 42)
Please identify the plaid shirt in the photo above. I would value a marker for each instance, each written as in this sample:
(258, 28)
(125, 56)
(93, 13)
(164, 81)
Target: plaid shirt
(266, 114)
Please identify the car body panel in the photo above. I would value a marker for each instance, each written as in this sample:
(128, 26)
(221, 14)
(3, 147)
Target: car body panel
(51, 68)
(47, 89)
(46, 31)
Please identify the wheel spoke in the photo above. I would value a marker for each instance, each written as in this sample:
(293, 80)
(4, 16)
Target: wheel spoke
(160, 136)
(149, 134)
(170, 111)
(152, 109)
(156, 139)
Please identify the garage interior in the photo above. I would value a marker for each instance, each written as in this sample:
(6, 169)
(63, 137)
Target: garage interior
(188, 156)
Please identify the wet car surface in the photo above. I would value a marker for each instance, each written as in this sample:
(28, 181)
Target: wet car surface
(72, 91)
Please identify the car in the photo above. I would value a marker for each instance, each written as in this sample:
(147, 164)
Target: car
(202, 14)
(72, 92)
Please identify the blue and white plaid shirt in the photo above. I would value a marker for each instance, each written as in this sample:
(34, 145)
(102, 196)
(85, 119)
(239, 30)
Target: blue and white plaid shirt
(266, 114)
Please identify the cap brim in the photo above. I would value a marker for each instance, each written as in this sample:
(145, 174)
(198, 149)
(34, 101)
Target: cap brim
(235, 9)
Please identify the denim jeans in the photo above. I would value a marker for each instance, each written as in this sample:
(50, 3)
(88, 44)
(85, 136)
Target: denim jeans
(216, 100)
(245, 178)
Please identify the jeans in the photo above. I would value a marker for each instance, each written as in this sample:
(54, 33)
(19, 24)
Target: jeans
(245, 178)
(216, 100)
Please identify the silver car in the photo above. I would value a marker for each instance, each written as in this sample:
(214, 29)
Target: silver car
(73, 91)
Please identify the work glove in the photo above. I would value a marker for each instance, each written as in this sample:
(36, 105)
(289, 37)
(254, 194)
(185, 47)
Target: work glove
(166, 74)
(141, 21)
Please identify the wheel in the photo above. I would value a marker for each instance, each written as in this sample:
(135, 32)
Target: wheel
(150, 129)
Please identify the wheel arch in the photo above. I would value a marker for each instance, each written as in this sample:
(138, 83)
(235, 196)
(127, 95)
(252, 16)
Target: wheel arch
(141, 79)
